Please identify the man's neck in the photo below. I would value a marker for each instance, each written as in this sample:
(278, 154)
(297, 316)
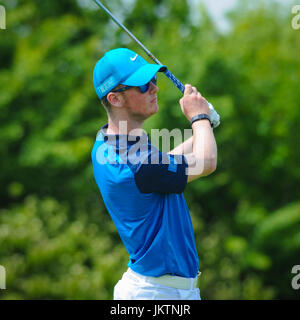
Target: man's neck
(133, 128)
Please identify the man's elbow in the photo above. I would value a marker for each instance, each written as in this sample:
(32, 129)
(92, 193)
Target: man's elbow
(214, 164)
(201, 167)
(211, 165)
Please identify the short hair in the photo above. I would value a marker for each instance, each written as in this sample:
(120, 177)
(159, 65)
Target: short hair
(105, 102)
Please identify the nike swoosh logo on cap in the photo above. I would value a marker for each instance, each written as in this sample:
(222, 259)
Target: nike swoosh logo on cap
(134, 58)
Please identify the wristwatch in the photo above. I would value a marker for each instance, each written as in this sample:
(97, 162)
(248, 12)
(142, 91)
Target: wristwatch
(202, 116)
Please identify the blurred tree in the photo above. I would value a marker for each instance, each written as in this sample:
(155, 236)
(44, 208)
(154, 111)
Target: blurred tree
(49, 257)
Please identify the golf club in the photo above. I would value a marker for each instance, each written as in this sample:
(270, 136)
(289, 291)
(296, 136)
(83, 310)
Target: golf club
(215, 118)
(169, 74)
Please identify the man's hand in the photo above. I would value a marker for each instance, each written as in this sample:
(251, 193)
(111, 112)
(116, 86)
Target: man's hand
(192, 103)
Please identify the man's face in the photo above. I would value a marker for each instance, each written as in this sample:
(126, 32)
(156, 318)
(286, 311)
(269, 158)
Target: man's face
(141, 106)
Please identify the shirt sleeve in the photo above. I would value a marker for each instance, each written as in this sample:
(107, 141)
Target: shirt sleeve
(162, 173)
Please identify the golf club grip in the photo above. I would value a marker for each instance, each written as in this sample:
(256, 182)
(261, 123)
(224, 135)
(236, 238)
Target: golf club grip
(177, 83)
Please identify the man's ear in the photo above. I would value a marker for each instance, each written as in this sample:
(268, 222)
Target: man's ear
(115, 99)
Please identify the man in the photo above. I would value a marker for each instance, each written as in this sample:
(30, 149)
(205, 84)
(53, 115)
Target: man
(141, 190)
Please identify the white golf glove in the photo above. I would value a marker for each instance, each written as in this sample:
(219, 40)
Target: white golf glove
(214, 116)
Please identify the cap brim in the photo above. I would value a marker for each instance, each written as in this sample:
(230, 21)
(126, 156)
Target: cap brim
(144, 75)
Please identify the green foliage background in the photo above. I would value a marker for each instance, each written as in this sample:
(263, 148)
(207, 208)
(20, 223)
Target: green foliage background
(56, 238)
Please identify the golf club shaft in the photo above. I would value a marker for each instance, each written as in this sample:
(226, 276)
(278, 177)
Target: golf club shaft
(169, 74)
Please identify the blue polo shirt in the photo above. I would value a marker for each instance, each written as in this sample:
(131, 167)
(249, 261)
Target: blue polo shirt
(142, 190)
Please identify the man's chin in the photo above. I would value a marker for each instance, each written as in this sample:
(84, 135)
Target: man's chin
(155, 109)
(152, 111)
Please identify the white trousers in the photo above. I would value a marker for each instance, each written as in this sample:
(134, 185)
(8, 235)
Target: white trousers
(134, 286)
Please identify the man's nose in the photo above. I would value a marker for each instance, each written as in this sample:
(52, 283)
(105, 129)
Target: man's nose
(153, 87)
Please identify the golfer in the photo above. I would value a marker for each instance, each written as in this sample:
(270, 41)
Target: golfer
(142, 187)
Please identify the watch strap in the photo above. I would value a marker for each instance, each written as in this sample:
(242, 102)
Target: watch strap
(202, 116)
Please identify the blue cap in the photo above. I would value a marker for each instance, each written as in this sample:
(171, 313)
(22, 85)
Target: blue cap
(122, 66)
